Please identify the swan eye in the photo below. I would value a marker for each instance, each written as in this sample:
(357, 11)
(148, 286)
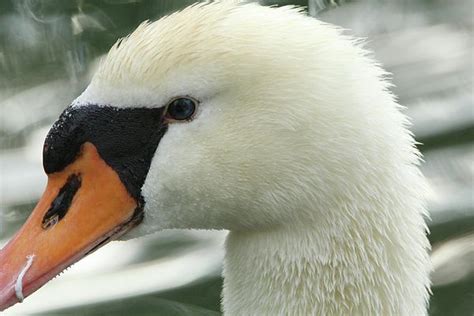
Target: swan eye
(181, 109)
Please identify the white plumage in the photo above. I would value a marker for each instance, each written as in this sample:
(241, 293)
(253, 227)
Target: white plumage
(298, 148)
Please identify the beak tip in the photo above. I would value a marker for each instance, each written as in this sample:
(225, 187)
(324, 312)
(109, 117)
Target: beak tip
(11, 282)
(7, 298)
(7, 292)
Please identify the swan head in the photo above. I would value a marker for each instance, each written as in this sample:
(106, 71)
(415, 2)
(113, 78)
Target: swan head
(221, 116)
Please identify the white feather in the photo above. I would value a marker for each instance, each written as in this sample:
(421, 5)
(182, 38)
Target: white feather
(21, 275)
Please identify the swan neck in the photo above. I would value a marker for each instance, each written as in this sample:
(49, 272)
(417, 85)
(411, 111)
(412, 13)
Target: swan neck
(330, 271)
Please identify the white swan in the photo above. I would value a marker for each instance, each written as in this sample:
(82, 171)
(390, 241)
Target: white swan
(258, 120)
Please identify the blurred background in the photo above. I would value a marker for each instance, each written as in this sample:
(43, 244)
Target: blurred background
(48, 49)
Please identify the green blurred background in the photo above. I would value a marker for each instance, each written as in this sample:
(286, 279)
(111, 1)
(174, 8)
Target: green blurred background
(48, 49)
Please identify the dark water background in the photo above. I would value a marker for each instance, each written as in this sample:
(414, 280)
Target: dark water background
(48, 49)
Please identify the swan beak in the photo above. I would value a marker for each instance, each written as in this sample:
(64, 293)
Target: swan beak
(84, 206)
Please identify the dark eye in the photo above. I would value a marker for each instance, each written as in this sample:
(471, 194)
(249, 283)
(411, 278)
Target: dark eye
(182, 109)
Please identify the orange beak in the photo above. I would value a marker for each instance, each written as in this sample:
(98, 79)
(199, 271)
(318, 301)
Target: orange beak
(84, 206)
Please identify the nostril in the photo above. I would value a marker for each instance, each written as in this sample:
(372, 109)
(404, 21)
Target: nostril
(60, 205)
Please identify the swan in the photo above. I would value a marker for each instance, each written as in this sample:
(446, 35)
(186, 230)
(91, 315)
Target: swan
(256, 120)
